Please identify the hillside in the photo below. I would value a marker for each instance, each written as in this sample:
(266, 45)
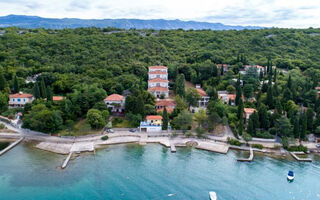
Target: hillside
(23, 21)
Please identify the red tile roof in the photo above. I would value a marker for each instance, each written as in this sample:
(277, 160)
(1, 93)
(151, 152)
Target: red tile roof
(169, 110)
(158, 67)
(155, 80)
(114, 97)
(232, 97)
(165, 102)
(57, 98)
(161, 89)
(153, 117)
(157, 72)
(317, 88)
(249, 110)
(18, 95)
(201, 92)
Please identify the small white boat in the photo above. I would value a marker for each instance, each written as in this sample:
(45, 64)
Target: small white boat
(213, 196)
(290, 176)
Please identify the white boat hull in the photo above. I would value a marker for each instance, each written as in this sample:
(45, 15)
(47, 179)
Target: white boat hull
(290, 178)
(213, 196)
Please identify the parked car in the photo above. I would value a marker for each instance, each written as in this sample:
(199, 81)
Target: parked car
(318, 146)
(110, 131)
(133, 130)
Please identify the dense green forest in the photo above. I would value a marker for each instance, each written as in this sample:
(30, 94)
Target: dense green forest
(86, 64)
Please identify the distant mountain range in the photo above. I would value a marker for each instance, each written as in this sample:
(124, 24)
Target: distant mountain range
(24, 21)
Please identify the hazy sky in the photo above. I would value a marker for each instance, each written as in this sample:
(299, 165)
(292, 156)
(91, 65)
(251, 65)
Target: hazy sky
(279, 13)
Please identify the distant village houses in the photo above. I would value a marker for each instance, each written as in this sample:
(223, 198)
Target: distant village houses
(153, 123)
(169, 104)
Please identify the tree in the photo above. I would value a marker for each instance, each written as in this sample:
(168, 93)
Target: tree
(3, 82)
(95, 119)
(250, 127)
(269, 100)
(238, 95)
(49, 94)
(240, 110)
(3, 102)
(200, 117)
(105, 114)
(248, 91)
(231, 89)
(192, 97)
(303, 125)
(43, 91)
(165, 119)
(183, 121)
(246, 137)
(36, 91)
(284, 127)
(263, 116)
(296, 126)
(16, 87)
(179, 86)
(310, 116)
(40, 118)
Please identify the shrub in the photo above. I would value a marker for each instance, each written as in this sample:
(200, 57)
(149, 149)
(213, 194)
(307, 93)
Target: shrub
(258, 146)
(2, 126)
(189, 134)
(104, 137)
(234, 142)
(264, 134)
(200, 132)
(298, 148)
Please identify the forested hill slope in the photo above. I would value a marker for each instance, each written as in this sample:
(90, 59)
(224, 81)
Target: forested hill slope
(23, 21)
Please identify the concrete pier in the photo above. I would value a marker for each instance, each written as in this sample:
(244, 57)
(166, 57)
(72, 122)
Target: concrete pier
(11, 146)
(65, 163)
(294, 154)
(173, 148)
(247, 159)
(213, 146)
(143, 139)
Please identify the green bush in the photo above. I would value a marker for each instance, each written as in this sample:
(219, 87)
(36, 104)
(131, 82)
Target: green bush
(258, 146)
(298, 148)
(234, 142)
(264, 134)
(2, 126)
(104, 137)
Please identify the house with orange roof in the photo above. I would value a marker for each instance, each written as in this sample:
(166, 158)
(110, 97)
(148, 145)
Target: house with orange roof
(227, 98)
(247, 112)
(158, 83)
(18, 100)
(153, 123)
(115, 102)
(169, 104)
(204, 98)
(225, 67)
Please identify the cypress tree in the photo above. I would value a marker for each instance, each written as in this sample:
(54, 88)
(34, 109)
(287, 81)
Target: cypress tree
(179, 87)
(269, 100)
(36, 91)
(240, 128)
(221, 70)
(238, 93)
(250, 128)
(296, 127)
(310, 115)
(303, 130)
(43, 90)
(16, 87)
(240, 110)
(3, 82)
(165, 119)
(49, 94)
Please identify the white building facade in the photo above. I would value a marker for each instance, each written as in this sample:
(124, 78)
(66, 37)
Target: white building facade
(158, 81)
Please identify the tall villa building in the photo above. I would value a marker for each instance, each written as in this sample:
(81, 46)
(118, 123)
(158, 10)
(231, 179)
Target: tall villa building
(158, 81)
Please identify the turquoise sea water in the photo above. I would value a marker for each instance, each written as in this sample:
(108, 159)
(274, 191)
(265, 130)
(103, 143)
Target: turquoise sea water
(153, 172)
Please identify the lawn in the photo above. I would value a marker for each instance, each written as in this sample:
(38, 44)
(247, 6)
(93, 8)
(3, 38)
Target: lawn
(80, 128)
(120, 122)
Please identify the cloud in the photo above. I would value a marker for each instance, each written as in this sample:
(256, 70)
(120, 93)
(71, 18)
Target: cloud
(280, 13)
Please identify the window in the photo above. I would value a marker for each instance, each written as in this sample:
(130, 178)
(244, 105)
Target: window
(13, 99)
(24, 100)
(19, 100)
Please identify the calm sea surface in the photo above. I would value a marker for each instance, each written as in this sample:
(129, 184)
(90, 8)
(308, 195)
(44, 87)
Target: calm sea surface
(153, 172)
